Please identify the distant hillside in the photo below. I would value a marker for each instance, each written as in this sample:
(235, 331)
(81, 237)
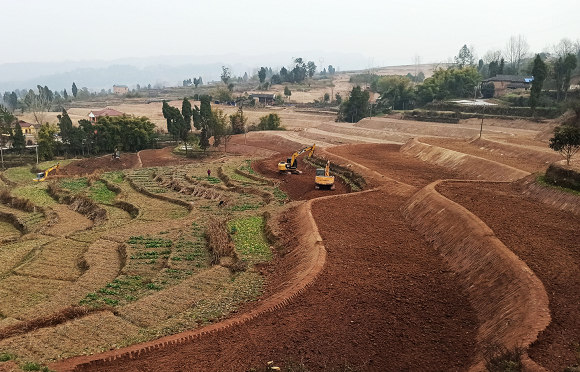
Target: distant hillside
(160, 70)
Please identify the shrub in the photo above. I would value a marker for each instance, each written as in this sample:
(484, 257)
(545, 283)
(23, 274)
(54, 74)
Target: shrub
(499, 358)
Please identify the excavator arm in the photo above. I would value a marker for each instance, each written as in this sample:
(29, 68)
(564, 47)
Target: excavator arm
(291, 163)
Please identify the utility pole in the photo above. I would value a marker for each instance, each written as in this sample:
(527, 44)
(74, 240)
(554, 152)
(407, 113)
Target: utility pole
(481, 127)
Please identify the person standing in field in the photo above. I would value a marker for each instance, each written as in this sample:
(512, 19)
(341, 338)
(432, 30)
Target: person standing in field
(208, 173)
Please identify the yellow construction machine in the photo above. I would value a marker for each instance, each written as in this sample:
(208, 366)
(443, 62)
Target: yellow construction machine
(42, 175)
(323, 178)
(291, 164)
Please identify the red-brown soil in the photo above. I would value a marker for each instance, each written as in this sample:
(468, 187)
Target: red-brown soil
(547, 240)
(296, 186)
(387, 160)
(163, 157)
(103, 163)
(518, 157)
(385, 300)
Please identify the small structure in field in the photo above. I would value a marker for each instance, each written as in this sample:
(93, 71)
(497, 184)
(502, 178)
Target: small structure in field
(120, 89)
(95, 115)
(266, 99)
(504, 82)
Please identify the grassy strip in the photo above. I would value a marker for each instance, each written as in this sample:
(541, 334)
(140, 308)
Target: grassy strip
(248, 236)
(541, 179)
(101, 194)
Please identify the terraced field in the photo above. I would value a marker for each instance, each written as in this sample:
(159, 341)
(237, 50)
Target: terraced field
(145, 270)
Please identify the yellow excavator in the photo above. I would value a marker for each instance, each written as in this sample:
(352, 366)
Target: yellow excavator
(42, 175)
(291, 164)
(323, 178)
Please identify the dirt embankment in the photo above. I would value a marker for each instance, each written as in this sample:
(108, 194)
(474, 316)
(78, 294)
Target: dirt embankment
(546, 239)
(101, 164)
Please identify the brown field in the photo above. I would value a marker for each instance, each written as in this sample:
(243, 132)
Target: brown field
(386, 278)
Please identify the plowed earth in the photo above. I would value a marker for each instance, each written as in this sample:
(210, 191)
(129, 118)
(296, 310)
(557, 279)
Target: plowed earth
(103, 163)
(385, 300)
(548, 241)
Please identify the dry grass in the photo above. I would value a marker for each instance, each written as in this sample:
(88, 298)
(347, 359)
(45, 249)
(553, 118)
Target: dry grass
(19, 293)
(220, 243)
(56, 260)
(91, 334)
(12, 254)
(16, 202)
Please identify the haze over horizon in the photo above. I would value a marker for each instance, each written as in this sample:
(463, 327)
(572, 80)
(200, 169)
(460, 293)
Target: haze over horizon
(71, 35)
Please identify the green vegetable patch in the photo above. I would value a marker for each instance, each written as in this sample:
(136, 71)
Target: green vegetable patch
(248, 236)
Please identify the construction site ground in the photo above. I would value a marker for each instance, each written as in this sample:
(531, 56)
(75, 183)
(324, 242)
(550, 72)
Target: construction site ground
(385, 299)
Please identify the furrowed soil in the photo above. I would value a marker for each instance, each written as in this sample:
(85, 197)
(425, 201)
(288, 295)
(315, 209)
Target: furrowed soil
(547, 240)
(385, 300)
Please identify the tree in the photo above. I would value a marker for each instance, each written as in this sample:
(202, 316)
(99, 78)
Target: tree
(46, 141)
(18, 140)
(66, 129)
(464, 58)
(311, 67)
(331, 70)
(516, 50)
(221, 133)
(6, 121)
(262, 75)
(287, 92)
(269, 122)
(488, 90)
(284, 74)
(74, 90)
(398, 90)
(540, 72)
(566, 141)
(501, 67)
(355, 107)
(238, 122)
(230, 88)
(37, 104)
(225, 75)
(450, 83)
(326, 97)
(245, 78)
(126, 133)
(185, 127)
(338, 98)
(65, 95)
(563, 68)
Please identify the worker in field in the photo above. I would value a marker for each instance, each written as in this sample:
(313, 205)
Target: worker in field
(208, 173)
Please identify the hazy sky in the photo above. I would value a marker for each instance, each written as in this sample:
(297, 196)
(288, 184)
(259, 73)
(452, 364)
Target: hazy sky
(384, 31)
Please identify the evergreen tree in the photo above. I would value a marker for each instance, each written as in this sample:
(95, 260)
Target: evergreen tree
(185, 128)
(501, 67)
(203, 139)
(540, 72)
(66, 126)
(262, 75)
(354, 108)
(18, 140)
(74, 90)
(287, 92)
(245, 76)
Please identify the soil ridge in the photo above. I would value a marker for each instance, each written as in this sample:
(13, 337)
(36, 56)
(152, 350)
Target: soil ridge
(511, 301)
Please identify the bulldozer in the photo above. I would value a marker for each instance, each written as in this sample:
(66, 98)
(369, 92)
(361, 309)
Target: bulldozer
(323, 178)
(291, 164)
(42, 175)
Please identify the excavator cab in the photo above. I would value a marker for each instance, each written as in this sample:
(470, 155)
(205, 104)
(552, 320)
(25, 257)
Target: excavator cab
(323, 178)
(42, 175)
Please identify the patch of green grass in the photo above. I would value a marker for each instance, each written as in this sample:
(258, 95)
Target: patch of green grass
(279, 194)
(6, 357)
(115, 176)
(541, 179)
(99, 193)
(249, 239)
(22, 175)
(30, 366)
(74, 185)
(36, 193)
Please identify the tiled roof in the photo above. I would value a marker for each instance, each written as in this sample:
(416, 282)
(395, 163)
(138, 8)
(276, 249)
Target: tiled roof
(260, 95)
(511, 78)
(120, 86)
(24, 124)
(107, 112)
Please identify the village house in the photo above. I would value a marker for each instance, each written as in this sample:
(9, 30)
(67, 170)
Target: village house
(120, 89)
(266, 99)
(30, 131)
(504, 82)
(96, 114)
